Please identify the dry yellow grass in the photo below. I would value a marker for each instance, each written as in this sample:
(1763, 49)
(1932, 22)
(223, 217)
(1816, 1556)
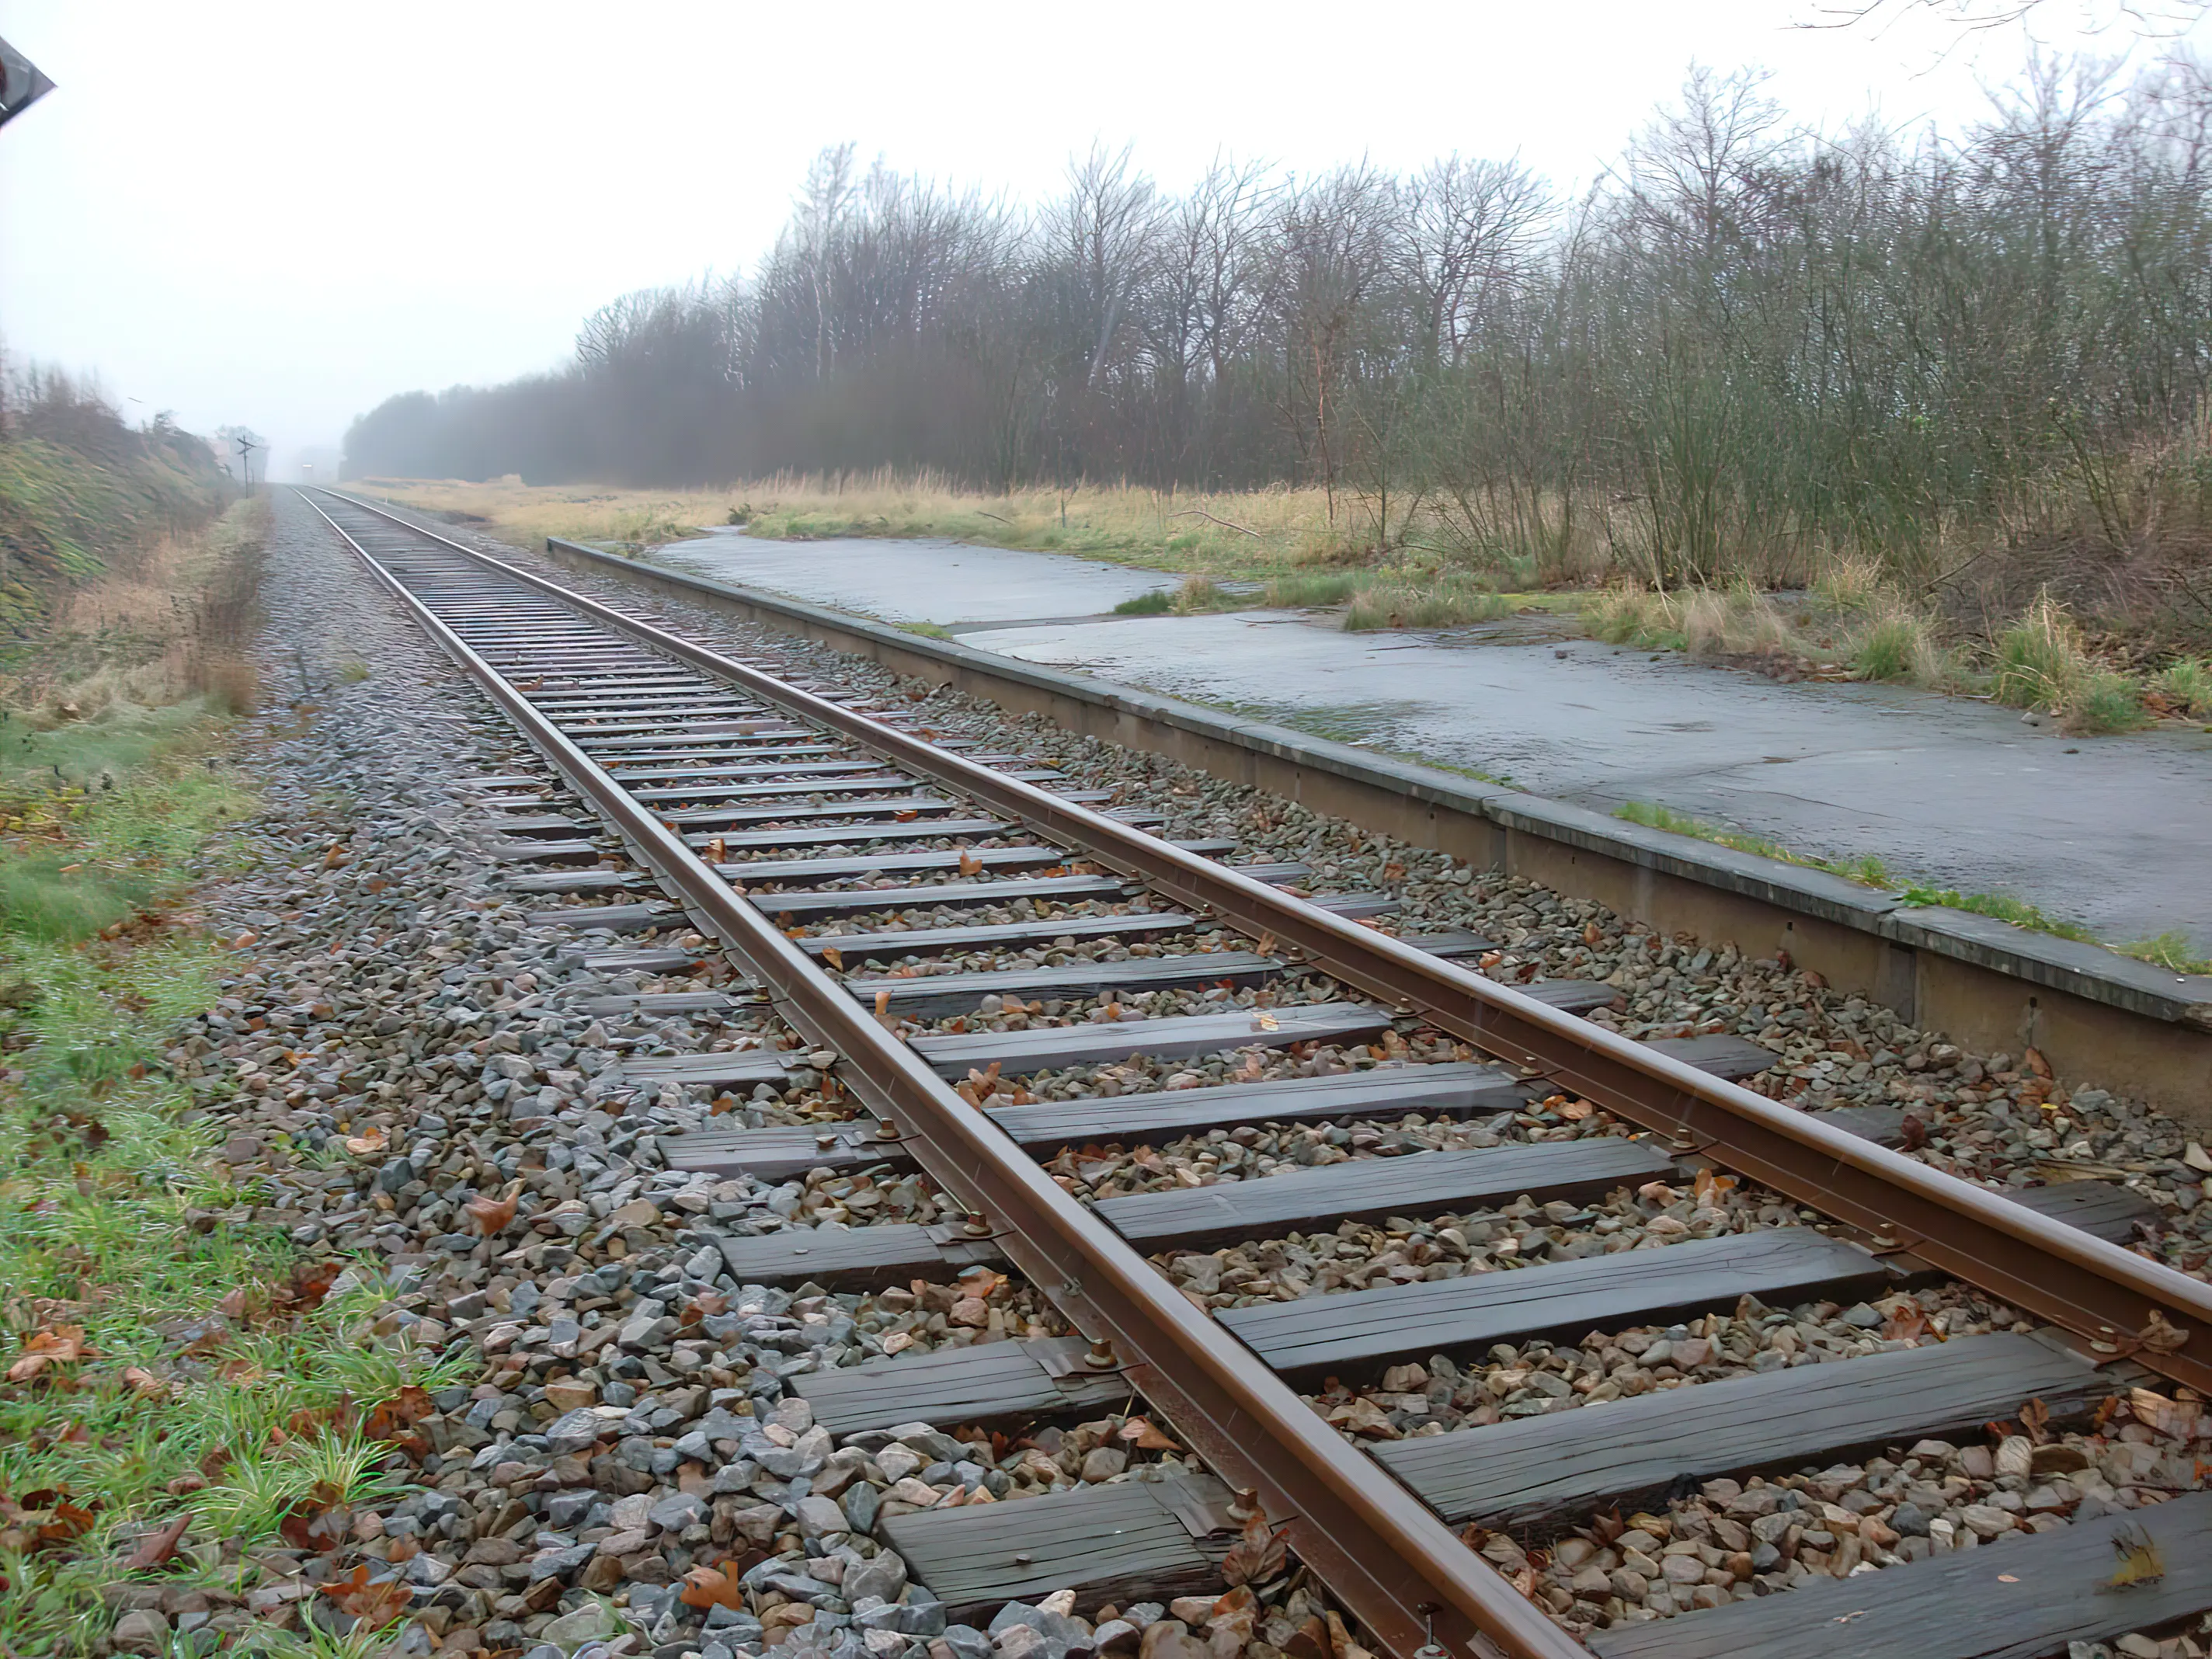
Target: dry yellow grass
(1244, 533)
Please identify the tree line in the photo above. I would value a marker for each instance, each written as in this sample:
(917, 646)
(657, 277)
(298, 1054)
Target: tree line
(1745, 340)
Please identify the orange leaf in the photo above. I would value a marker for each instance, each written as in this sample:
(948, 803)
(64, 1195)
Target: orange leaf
(492, 1216)
(1906, 1321)
(374, 1605)
(143, 1383)
(703, 1587)
(1140, 1432)
(834, 956)
(389, 1421)
(970, 864)
(70, 1522)
(1710, 1188)
(361, 1146)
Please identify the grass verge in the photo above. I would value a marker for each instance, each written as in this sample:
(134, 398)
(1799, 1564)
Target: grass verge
(1867, 870)
(180, 1387)
(2169, 949)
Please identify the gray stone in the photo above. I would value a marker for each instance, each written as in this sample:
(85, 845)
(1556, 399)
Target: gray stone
(576, 1430)
(144, 1631)
(883, 1575)
(907, 1618)
(674, 1514)
(589, 1623)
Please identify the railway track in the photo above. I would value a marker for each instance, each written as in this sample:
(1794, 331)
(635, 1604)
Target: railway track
(838, 853)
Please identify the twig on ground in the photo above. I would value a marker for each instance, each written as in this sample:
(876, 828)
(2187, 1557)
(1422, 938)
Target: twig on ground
(1201, 512)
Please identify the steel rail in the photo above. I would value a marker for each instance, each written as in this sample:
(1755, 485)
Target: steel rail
(1393, 1562)
(2116, 1302)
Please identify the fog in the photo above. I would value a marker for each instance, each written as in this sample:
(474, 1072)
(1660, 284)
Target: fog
(278, 215)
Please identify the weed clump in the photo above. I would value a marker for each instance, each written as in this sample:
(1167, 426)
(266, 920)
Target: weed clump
(2042, 663)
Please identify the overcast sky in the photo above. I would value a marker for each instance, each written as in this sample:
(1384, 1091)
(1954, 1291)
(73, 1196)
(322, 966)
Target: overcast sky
(278, 214)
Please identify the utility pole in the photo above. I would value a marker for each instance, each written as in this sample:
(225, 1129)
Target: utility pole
(246, 448)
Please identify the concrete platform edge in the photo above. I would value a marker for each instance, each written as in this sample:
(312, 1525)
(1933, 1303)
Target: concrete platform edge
(2096, 1017)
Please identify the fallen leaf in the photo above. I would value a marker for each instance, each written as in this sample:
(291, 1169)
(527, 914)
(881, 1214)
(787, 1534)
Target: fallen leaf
(1394, 870)
(703, 1587)
(143, 1383)
(1912, 1133)
(2038, 1064)
(62, 1346)
(320, 1521)
(2035, 1421)
(1257, 1556)
(1340, 1639)
(970, 864)
(335, 857)
(493, 1216)
(834, 956)
(1907, 1321)
(374, 1605)
(391, 1420)
(2161, 1334)
(1140, 1432)
(374, 1141)
(311, 1283)
(1712, 1188)
(155, 1549)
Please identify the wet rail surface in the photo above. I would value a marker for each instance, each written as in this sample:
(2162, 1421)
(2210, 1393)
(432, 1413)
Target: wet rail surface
(795, 828)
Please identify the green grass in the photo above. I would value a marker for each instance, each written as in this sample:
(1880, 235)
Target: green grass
(1446, 602)
(2169, 949)
(2042, 663)
(929, 630)
(2001, 907)
(1867, 870)
(112, 1220)
(2187, 684)
(1195, 596)
(1306, 589)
